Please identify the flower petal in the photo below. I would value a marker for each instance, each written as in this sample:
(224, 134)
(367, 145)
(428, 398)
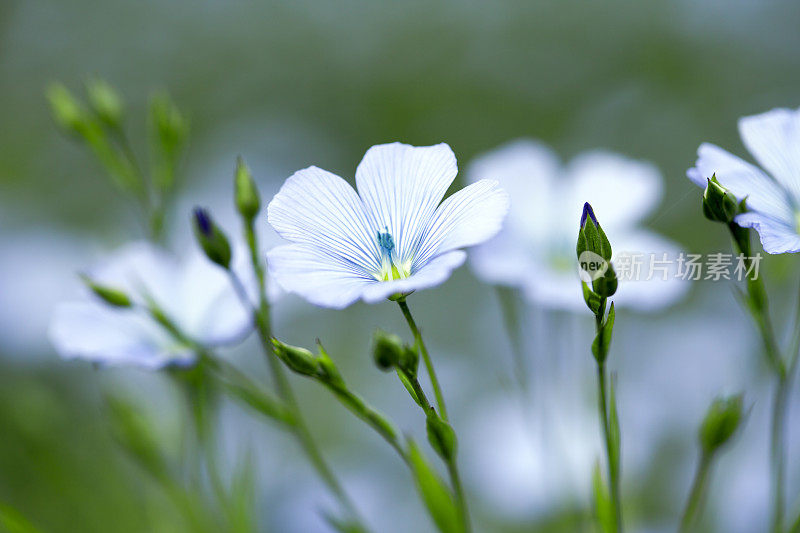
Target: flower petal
(318, 277)
(468, 217)
(774, 140)
(141, 267)
(321, 210)
(777, 237)
(212, 312)
(527, 170)
(433, 273)
(502, 260)
(90, 331)
(401, 186)
(622, 191)
(743, 179)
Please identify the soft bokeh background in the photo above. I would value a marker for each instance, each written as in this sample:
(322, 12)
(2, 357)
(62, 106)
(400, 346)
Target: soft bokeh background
(292, 84)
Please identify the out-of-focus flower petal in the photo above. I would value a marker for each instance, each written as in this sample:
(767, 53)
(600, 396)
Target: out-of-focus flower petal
(401, 187)
(622, 191)
(89, 331)
(528, 171)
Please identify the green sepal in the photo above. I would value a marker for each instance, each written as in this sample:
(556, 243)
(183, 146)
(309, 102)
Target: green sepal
(437, 497)
(441, 436)
(592, 299)
(606, 285)
(719, 205)
(603, 339)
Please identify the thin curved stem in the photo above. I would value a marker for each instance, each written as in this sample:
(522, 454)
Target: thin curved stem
(437, 390)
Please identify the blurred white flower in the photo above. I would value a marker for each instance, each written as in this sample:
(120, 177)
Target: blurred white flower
(395, 235)
(195, 294)
(773, 202)
(535, 250)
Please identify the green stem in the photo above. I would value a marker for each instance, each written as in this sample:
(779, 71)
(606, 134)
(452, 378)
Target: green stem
(452, 466)
(759, 309)
(613, 469)
(437, 390)
(300, 428)
(697, 494)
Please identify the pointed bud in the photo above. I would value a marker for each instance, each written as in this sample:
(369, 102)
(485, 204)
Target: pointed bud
(387, 350)
(167, 122)
(111, 296)
(441, 436)
(720, 423)
(67, 112)
(105, 101)
(327, 367)
(246, 195)
(298, 359)
(409, 360)
(719, 204)
(594, 256)
(211, 239)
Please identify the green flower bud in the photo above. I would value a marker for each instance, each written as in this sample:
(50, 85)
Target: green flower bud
(594, 256)
(441, 436)
(67, 112)
(168, 123)
(105, 101)
(298, 359)
(111, 296)
(720, 423)
(211, 239)
(248, 202)
(327, 367)
(719, 205)
(409, 360)
(387, 350)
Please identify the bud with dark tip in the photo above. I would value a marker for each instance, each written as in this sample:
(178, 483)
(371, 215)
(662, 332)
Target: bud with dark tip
(248, 202)
(387, 350)
(720, 423)
(297, 359)
(111, 296)
(211, 239)
(719, 205)
(594, 255)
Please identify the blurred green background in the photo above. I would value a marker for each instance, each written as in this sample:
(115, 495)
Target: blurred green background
(298, 83)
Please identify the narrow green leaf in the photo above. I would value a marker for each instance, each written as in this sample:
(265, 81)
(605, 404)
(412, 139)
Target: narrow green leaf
(603, 506)
(435, 494)
(410, 388)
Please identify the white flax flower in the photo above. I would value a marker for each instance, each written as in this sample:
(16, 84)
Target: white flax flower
(195, 295)
(773, 202)
(394, 236)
